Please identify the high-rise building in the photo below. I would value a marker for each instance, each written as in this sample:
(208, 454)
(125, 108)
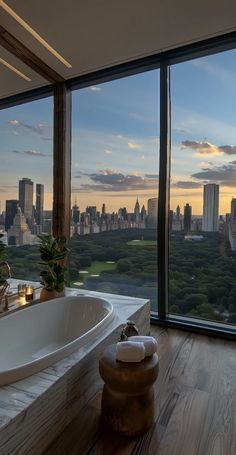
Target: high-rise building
(19, 233)
(187, 218)
(75, 214)
(232, 225)
(103, 209)
(11, 210)
(143, 214)
(152, 211)
(171, 216)
(210, 221)
(122, 213)
(39, 205)
(26, 187)
(92, 211)
(177, 213)
(137, 211)
(152, 205)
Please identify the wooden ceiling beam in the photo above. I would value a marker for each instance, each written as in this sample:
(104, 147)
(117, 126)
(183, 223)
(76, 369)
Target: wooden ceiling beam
(15, 47)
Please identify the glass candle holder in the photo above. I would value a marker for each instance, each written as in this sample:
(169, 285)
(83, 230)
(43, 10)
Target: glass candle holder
(29, 293)
(21, 289)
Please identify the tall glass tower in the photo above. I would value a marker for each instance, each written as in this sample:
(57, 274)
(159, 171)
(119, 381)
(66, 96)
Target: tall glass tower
(26, 187)
(39, 205)
(210, 222)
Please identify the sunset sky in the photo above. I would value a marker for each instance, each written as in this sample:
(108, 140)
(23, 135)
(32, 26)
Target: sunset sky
(115, 138)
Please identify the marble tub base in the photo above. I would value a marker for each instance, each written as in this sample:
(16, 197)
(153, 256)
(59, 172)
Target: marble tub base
(35, 410)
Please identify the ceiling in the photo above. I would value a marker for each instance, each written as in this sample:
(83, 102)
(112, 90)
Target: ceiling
(92, 34)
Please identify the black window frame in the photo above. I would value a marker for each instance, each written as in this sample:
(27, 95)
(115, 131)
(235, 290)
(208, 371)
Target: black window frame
(162, 61)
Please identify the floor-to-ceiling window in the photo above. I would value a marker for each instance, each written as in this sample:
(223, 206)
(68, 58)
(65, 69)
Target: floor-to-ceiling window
(115, 153)
(114, 185)
(26, 183)
(202, 217)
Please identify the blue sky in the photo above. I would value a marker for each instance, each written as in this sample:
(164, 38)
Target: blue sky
(116, 138)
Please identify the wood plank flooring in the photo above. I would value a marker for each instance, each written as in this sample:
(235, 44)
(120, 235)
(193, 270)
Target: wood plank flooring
(195, 396)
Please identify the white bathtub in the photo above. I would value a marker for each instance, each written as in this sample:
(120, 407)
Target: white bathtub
(38, 336)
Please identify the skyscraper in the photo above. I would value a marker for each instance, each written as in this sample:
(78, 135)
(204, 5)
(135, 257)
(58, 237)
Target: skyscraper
(178, 213)
(11, 210)
(26, 197)
(187, 218)
(137, 211)
(19, 233)
(171, 216)
(75, 214)
(92, 211)
(232, 225)
(39, 205)
(152, 211)
(210, 207)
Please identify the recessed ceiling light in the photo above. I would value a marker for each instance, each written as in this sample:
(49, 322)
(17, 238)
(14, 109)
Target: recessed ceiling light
(15, 70)
(29, 29)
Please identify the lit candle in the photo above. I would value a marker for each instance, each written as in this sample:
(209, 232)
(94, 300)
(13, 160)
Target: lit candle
(21, 293)
(21, 290)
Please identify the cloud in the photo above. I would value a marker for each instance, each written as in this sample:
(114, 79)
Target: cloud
(202, 148)
(14, 122)
(138, 117)
(94, 88)
(228, 149)
(110, 180)
(185, 184)
(179, 129)
(204, 126)
(133, 145)
(219, 72)
(28, 152)
(206, 148)
(3, 188)
(108, 152)
(46, 138)
(224, 175)
(151, 176)
(41, 129)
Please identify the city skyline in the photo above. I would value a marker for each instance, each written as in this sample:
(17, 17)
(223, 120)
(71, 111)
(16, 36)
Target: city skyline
(115, 138)
(75, 201)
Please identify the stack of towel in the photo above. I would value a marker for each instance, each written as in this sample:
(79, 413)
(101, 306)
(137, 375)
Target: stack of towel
(136, 349)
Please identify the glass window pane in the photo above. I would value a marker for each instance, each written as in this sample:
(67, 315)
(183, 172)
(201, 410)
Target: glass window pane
(26, 183)
(115, 151)
(203, 175)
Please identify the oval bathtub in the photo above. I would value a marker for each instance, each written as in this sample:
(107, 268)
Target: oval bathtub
(38, 336)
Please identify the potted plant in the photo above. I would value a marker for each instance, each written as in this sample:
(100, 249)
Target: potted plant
(53, 252)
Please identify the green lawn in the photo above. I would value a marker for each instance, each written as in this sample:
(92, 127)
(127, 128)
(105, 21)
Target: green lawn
(97, 267)
(142, 243)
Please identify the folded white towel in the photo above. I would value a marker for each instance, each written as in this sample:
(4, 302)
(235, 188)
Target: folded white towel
(150, 343)
(127, 351)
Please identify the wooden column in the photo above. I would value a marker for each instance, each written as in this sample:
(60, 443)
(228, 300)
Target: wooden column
(62, 161)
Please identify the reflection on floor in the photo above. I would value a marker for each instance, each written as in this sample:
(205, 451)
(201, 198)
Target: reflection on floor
(195, 405)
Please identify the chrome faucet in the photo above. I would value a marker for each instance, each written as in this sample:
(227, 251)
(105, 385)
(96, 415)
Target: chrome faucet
(4, 287)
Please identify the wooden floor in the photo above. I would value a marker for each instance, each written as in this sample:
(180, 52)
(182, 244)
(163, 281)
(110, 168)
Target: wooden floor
(195, 405)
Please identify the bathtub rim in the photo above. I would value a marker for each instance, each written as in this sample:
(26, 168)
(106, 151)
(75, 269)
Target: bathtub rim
(35, 366)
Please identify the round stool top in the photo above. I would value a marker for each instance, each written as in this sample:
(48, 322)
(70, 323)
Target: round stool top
(125, 376)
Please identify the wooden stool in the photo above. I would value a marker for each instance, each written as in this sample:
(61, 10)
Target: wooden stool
(128, 392)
